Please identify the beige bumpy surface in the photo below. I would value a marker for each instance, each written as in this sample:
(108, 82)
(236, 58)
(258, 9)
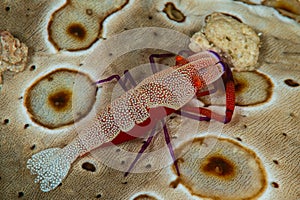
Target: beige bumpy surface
(13, 54)
(256, 154)
(238, 41)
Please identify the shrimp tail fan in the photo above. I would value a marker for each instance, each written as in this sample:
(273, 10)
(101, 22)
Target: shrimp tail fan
(51, 167)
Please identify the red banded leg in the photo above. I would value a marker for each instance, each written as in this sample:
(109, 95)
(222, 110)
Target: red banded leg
(230, 93)
(204, 114)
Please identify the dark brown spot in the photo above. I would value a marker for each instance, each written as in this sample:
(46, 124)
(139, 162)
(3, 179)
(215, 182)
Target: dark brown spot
(284, 134)
(275, 185)
(291, 83)
(275, 161)
(218, 166)
(240, 85)
(33, 147)
(20, 194)
(122, 162)
(148, 166)
(149, 17)
(60, 100)
(118, 150)
(245, 126)
(125, 182)
(77, 31)
(7, 9)
(6, 121)
(26, 126)
(20, 98)
(173, 13)
(32, 67)
(89, 11)
(98, 196)
(89, 167)
(239, 139)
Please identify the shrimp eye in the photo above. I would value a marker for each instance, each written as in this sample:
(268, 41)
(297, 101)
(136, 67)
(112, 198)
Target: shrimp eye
(180, 60)
(197, 82)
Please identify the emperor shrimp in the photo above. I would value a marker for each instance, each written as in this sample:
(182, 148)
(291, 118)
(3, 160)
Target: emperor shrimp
(169, 91)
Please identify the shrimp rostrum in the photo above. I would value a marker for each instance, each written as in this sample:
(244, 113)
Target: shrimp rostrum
(167, 91)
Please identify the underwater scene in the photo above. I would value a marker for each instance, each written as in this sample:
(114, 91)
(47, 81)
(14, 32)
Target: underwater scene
(150, 99)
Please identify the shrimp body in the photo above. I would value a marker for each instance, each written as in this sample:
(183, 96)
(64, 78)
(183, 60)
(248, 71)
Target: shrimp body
(171, 88)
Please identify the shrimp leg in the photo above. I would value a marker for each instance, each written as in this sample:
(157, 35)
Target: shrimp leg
(146, 144)
(193, 116)
(208, 114)
(230, 103)
(128, 77)
(167, 139)
(141, 151)
(152, 62)
(207, 92)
